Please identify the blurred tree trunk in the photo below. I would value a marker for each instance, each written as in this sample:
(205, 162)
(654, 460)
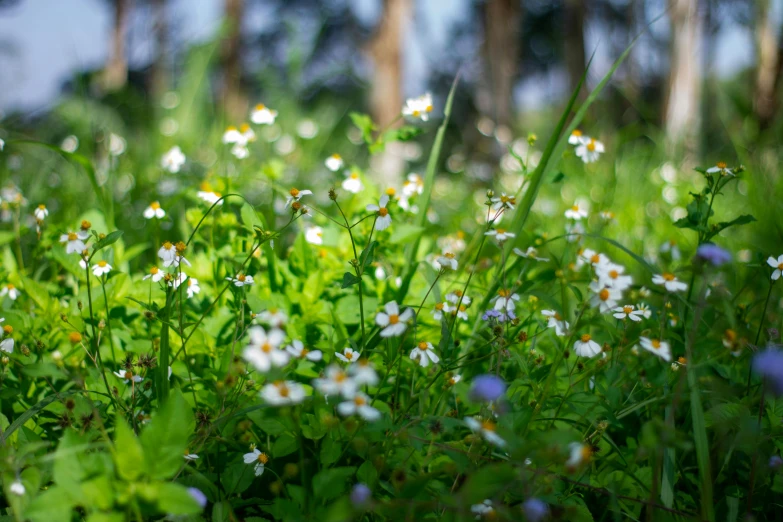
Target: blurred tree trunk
(159, 75)
(502, 27)
(768, 51)
(386, 97)
(682, 116)
(574, 40)
(115, 74)
(234, 102)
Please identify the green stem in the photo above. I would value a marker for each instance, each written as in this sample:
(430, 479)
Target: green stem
(162, 375)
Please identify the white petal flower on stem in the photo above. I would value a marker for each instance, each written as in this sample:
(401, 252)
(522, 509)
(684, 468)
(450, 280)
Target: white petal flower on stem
(576, 212)
(16, 487)
(578, 454)
(644, 310)
(483, 510)
(154, 211)
(297, 349)
(262, 115)
(349, 355)
(604, 297)
(256, 459)
(359, 404)
(11, 291)
(336, 382)
(504, 201)
(611, 274)
(505, 300)
(190, 456)
(384, 220)
(295, 195)
(659, 348)
(628, 312)
(670, 282)
(722, 168)
(424, 354)
(777, 264)
(74, 242)
(447, 260)
(41, 212)
(486, 428)
(241, 280)
(413, 185)
(577, 138)
(418, 108)
(670, 247)
(273, 317)
(352, 183)
(363, 373)
(556, 321)
(127, 376)
(7, 345)
(263, 350)
(173, 160)
(500, 234)
(392, 321)
(530, 253)
(193, 287)
(282, 393)
(210, 197)
(101, 268)
(334, 162)
(586, 347)
(589, 150)
(314, 235)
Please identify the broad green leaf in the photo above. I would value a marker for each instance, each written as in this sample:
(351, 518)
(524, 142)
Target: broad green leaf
(128, 455)
(165, 438)
(331, 483)
(174, 499)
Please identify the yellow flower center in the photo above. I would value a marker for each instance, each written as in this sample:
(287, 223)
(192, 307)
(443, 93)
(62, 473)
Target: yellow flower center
(74, 337)
(10, 286)
(294, 192)
(730, 335)
(627, 309)
(244, 128)
(336, 156)
(416, 113)
(586, 452)
(575, 208)
(263, 458)
(168, 245)
(595, 258)
(504, 293)
(128, 375)
(439, 306)
(260, 107)
(266, 347)
(383, 212)
(669, 276)
(154, 205)
(354, 175)
(682, 360)
(394, 319)
(449, 255)
(422, 345)
(72, 236)
(304, 353)
(586, 338)
(500, 231)
(428, 108)
(558, 316)
(154, 270)
(780, 266)
(591, 146)
(614, 274)
(349, 355)
(390, 191)
(282, 389)
(655, 343)
(603, 294)
(576, 133)
(86, 225)
(42, 207)
(359, 401)
(8, 329)
(488, 425)
(102, 264)
(241, 278)
(721, 165)
(340, 377)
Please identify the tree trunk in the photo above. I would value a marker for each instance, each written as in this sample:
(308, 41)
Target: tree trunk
(502, 26)
(682, 116)
(386, 97)
(159, 73)
(234, 102)
(115, 74)
(574, 40)
(767, 72)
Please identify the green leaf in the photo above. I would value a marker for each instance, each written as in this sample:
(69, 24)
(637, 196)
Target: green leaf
(330, 483)
(165, 438)
(238, 477)
(53, 505)
(174, 499)
(32, 412)
(349, 280)
(365, 124)
(128, 457)
(67, 471)
(367, 255)
(284, 445)
(108, 240)
(249, 217)
(716, 229)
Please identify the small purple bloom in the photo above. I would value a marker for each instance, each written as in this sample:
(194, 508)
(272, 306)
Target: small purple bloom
(775, 462)
(360, 495)
(491, 314)
(198, 496)
(534, 509)
(713, 254)
(487, 388)
(769, 364)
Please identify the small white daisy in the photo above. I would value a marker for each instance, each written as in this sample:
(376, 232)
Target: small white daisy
(101, 268)
(352, 183)
(418, 108)
(336, 382)
(349, 355)
(777, 264)
(447, 260)
(360, 405)
(314, 235)
(586, 347)
(334, 162)
(721, 168)
(589, 150)
(298, 350)
(363, 373)
(392, 321)
(670, 282)
(556, 321)
(127, 376)
(486, 429)
(257, 459)
(628, 312)
(530, 253)
(576, 212)
(425, 354)
(383, 221)
(74, 242)
(173, 160)
(500, 234)
(263, 350)
(282, 393)
(154, 211)
(41, 212)
(193, 287)
(262, 115)
(241, 280)
(659, 348)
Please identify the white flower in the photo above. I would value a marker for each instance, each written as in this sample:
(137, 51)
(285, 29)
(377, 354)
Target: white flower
(359, 404)
(555, 320)
(593, 258)
(487, 430)
(295, 195)
(336, 382)
(424, 353)
(210, 197)
(352, 183)
(659, 348)
(232, 135)
(437, 312)
(297, 349)
(363, 373)
(454, 379)
(574, 231)
(418, 108)
(578, 454)
(349, 355)
(262, 115)
(576, 212)
(41, 212)
(156, 274)
(314, 235)
(241, 280)
(193, 287)
(69, 144)
(605, 298)
(504, 201)
(116, 144)
(11, 291)
(16, 487)
(167, 253)
(392, 321)
(586, 347)
(127, 376)
(454, 297)
(334, 162)
(644, 310)
(281, 393)
(672, 248)
(611, 274)
(7, 345)
(447, 260)
(485, 508)
(383, 221)
(412, 186)
(74, 242)
(628, 312)
(173, 160)
(100, 268)
(590, 150)
(263, 350)
(722, 168)
(257, 459)
(505, 300)
(606, 215)
(777, 264)
(190, 456)
(644, 292)
(530, 253)
(240, 151)
(577, 138)
(500, 234)
(670, 282)
(273, 317)
(154, 211)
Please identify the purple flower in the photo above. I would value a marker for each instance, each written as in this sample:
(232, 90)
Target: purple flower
(775, 462)
(769, 364)
(487, 388)
(198, 496)
(713, 254)
(497, 315)
(534, 509)
(360, 495)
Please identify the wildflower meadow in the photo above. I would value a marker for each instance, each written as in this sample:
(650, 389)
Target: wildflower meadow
(214, 319)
